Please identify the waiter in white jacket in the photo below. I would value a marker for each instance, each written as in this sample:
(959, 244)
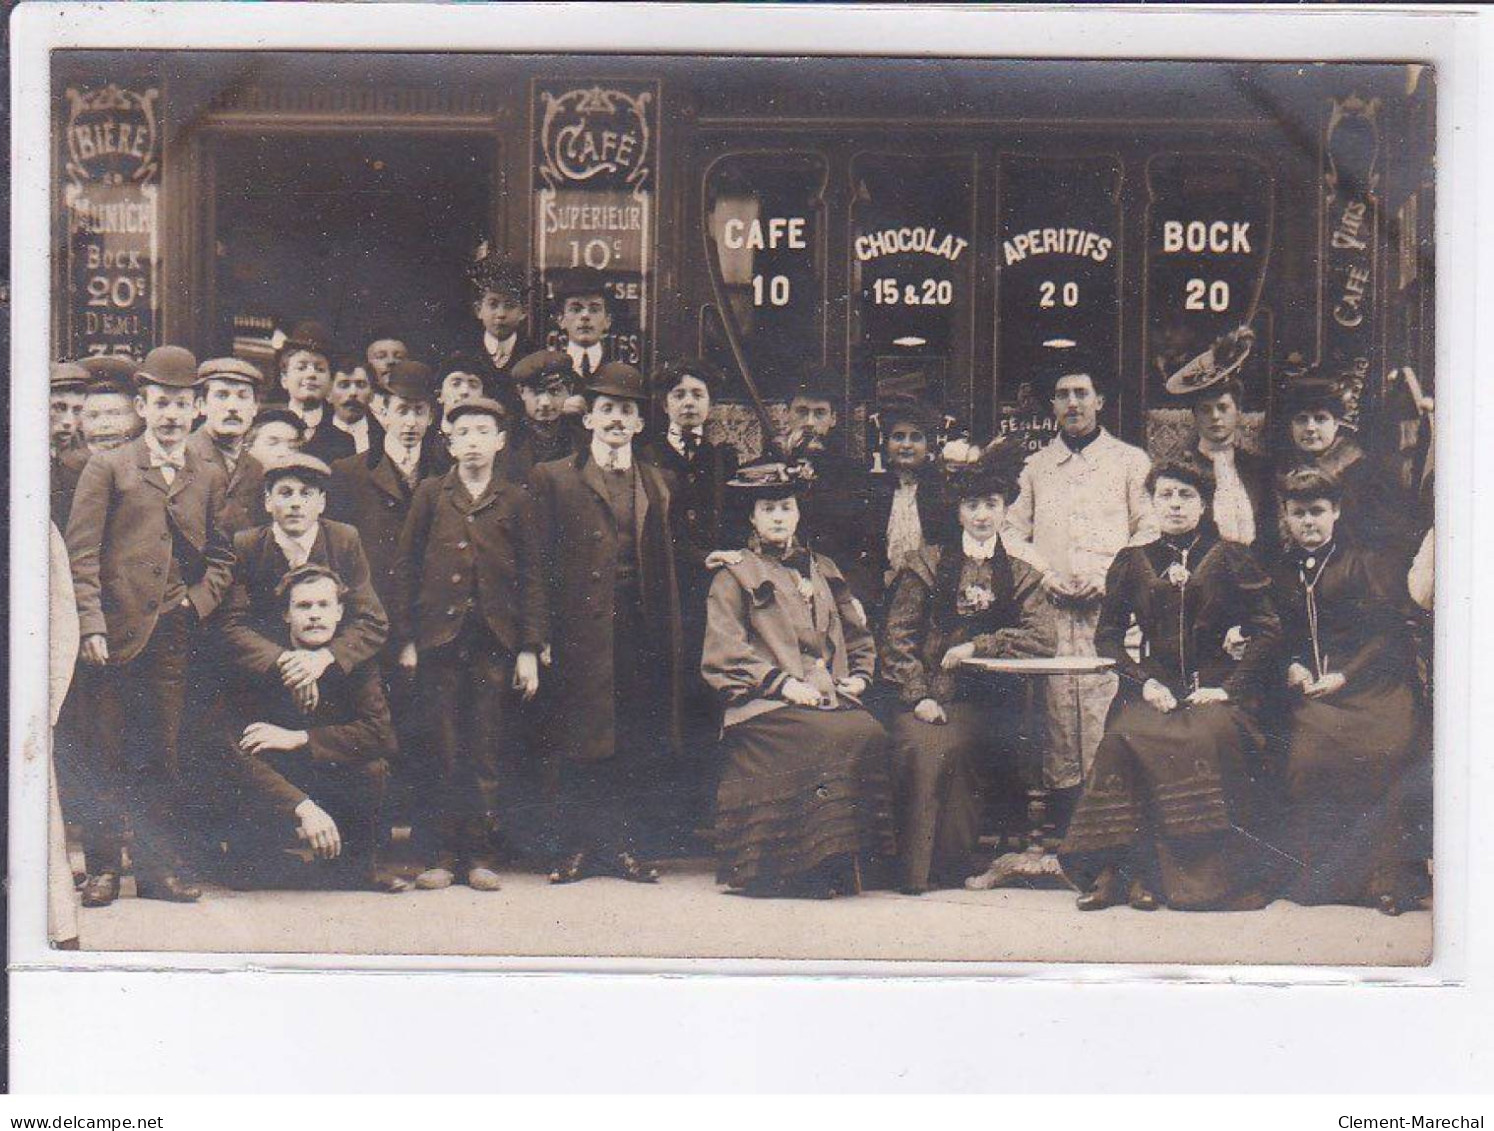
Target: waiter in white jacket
(1082, 499)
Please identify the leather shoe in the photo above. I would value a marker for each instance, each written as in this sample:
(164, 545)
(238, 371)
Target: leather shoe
(483, 879)
(629, 868)
(100, 890)
(169, 888)
(1105, 893)
(1140, 898)
(434, 879)
(571, 869)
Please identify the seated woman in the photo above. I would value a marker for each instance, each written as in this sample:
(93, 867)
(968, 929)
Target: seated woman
(902, 510)
(1168, 796)
(1349, 676)
(953, 601)
(301, 774)
(804, 794)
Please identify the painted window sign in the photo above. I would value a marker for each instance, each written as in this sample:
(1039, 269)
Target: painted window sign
(912, 273)
(594, 203)
(110, 202)
(764, 230)
(1209, 225)
(1057, 279)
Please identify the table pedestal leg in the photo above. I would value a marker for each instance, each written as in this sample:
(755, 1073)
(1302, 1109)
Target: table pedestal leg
(1034, 866)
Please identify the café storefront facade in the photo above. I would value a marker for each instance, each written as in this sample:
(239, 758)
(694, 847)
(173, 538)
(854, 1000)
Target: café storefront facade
(913, 224)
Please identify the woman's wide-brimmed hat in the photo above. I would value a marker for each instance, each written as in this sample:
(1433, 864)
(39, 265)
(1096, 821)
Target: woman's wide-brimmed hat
(973, 471)
(770, 480)
(1216, 365)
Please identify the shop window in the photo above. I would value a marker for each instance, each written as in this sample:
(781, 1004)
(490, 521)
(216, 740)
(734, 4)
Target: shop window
(764, 235)
(912, 276)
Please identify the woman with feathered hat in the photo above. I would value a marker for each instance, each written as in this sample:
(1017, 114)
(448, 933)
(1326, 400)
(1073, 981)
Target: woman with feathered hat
(804, 797)
(956, 599)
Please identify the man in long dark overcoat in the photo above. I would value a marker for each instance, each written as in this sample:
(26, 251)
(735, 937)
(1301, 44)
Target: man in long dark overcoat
(614, 633)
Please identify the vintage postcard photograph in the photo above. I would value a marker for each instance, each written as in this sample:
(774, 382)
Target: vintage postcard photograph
(696, 506)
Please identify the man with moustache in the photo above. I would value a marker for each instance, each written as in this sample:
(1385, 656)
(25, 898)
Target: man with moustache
(1082, 498)
(150, 562)
(349, 398)
(69, 379)
(295, 496)
(301, 783)
(228, 393)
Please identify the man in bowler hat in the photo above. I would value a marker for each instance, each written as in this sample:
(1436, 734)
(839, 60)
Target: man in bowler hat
(614, 629)
(150, 562)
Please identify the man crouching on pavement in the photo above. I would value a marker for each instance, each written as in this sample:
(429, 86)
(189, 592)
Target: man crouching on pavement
(306, 777)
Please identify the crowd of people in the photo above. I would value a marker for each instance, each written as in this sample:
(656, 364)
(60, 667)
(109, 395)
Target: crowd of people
(488, 601)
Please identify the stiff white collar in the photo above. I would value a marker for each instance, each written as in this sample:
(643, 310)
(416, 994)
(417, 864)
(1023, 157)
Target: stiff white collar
(979, 551)
(578, 352)
(603, 455)
(500, 352)
(311, 417)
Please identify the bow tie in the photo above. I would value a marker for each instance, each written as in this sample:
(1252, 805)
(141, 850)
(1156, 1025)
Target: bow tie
(177, 461)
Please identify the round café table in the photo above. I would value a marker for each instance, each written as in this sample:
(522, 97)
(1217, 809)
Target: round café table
(1034, 863)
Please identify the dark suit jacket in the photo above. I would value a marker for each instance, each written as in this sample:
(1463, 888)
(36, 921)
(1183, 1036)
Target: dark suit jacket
(66, 470)
(368, 493)
(349, 727)
(328, 442)
(700, 500)
(498, 382)
(245, 505)
(579, 545)
(120, 538)
(252, 622)
(526, 448)
(448, 540)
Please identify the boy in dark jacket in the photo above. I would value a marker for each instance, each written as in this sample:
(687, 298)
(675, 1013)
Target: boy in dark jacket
(469, 617)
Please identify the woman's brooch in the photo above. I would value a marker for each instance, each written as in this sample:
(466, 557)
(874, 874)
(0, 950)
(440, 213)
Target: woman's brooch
(974, 599)
(1178, 574)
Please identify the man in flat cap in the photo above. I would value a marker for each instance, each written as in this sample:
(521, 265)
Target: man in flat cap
(815, 441)
(1082, 498)
(69, 379)
(550, 428)
(615, 632)
(295, 494)
(150, 562)
(228, 391)
(109, 417)
(468, 619)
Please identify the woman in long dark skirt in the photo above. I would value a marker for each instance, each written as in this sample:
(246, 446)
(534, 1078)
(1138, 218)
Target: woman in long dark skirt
(804, 797)
(1168, 798)
(955, 735)
(1350, 679)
